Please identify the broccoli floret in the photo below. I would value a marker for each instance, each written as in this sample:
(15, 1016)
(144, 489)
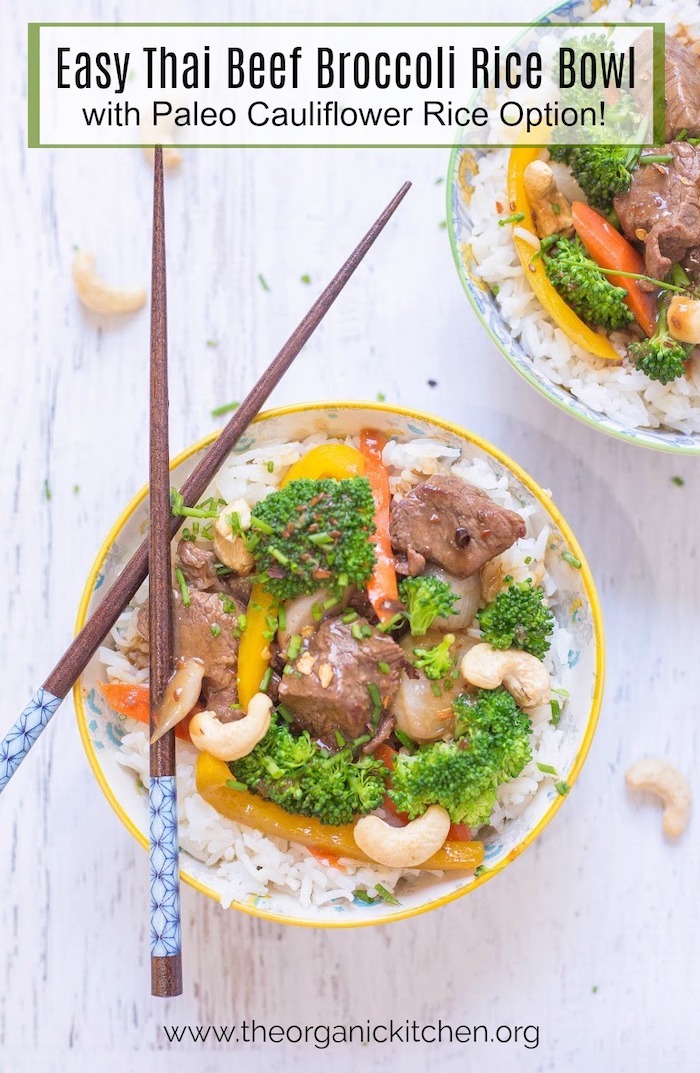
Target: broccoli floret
(304, 778)
(583, 286)
(518, 618)
(491, 746)
(662, 357)
(314, 534)
(602, 171)
(436, 662)
(426, 599)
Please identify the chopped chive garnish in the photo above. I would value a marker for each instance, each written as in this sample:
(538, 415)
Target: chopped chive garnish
(282, 617)
(215, 629)
(263, 282)
(279, 556)
(76, 489)
(383, 667)
(363, 897)
(321, 540)
(270, 466)
(381, 397)
(405, 740)
(294, 646)
(242, 622)
(339, 738)
(285, 713)
(386, 895)
(305, 278)
(556, 712)
(227, 408)
(571, 559)
(213, 343)
(265, 680)
(678, 481)
(316, 612)
(479, 871)
(366, 631)
(47, 489)
(514, 218)
(356, 631)
(258, 523)
(349, 617)
(184, 591)
(330, 602)
(436, 689)
(178, 508)
(562, 788)
(561, 693)
(443, 224)
(234, 784)
(376, 702)
(547, 769)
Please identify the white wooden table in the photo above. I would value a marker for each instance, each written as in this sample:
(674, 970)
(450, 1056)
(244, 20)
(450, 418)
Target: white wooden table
(593, 934)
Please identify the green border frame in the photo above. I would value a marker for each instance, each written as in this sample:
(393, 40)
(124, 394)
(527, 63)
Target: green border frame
(34, 83)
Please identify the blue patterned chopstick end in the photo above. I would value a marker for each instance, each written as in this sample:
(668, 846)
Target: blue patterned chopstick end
(164, 868)
(17, 743)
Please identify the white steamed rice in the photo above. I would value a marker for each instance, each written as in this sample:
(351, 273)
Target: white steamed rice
(618, 391)
(247, 862)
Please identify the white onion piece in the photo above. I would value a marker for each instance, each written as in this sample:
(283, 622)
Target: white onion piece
(468, 589)
(527, 236)
(298, 614)
(180, 696)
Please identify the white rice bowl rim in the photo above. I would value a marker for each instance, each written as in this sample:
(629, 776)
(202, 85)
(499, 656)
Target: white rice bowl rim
(303, 410)
(667, 440)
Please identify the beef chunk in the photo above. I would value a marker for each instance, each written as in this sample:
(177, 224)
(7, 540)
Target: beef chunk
(662, 209)
(453, 524)
(328, 688)
(218, 651)
(198, 563)
(682, 89)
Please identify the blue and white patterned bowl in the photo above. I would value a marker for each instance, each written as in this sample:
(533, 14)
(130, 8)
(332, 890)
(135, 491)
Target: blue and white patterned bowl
(101, 730)
(465, 163)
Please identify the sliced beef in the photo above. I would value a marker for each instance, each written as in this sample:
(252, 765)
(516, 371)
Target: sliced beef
(198, 563)
(328, 687)
(453, 524)
(662, 208)
(682, 89)
(218, 651)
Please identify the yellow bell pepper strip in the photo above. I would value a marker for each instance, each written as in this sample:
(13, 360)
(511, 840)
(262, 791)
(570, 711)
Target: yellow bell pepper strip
(336, 460)
(552, 302)
(243, 807)
(328, 460)
(254, 649)
(382, 587)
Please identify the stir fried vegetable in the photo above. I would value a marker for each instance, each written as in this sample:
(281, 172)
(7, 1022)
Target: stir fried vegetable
(662, 357)
(585, 288)
(602, 171)
(438, 661)
(314, 533)
(301, 776)
(212, 776)
(561, 313)
(611, 250)
(518, 618)
(134, 700)
(426, 598)
(382, 587)
(491, 745)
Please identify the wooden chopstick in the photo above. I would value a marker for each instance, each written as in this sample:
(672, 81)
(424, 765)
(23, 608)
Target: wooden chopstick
(164, 871)
(35, 717)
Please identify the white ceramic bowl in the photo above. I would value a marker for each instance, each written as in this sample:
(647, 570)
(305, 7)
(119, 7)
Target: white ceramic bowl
(101, 730)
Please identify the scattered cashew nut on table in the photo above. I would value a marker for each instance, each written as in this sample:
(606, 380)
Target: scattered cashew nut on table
(663, 779)
(403, 847)
(99, 296)
(522, 674)
(229, 546)
(231, 741)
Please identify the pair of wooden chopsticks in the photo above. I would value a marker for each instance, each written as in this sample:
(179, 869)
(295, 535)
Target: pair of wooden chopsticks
(36, 716)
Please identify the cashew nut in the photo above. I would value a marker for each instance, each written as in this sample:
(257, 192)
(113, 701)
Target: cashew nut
(231, 741)
(522, 674)
(684, 319)
(661, 778)
(551, 212)
(230, 546)
(99, 296)
(403, 847)
(180, 696)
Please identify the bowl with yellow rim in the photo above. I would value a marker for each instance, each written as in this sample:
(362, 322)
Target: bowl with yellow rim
(102, 730)
(512, 335)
